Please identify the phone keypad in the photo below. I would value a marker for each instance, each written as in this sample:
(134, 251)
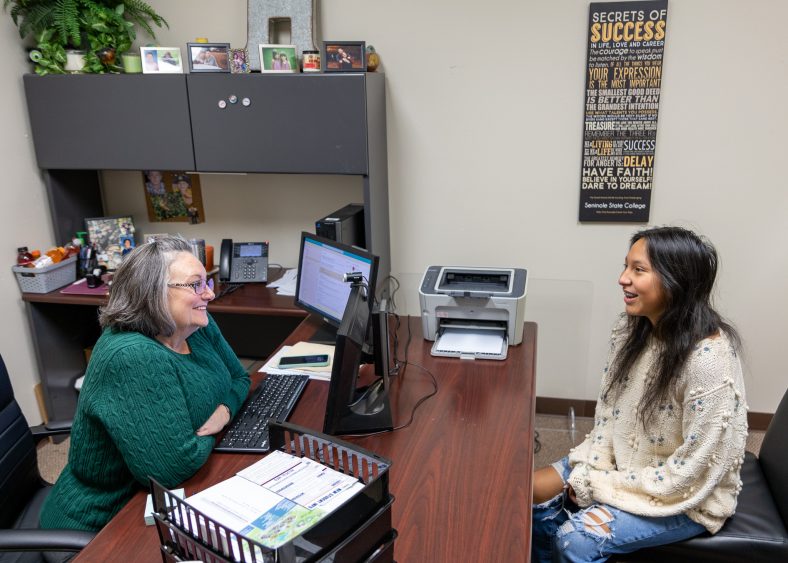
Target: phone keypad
(247, 270)
(250, 270)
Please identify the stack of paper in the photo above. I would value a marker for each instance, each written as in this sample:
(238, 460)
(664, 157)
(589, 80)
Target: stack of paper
(285, 285)
(302, 349)
(277, 498)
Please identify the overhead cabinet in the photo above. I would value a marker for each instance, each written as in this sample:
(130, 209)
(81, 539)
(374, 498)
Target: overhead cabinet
(110, 122)
(294, 123)
(306, 124)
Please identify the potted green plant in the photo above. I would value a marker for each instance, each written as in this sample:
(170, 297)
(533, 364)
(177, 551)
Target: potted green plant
(102, 28)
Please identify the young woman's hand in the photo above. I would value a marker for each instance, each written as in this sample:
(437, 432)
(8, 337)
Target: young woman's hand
(570, 492)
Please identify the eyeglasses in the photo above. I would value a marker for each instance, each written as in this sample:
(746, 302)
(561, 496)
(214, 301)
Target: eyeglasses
(197, 286)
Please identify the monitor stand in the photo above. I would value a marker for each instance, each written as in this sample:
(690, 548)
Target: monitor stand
(325, 334)
(370, 410)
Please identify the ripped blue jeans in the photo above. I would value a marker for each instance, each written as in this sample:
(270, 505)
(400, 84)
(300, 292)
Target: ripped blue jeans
(562, 531)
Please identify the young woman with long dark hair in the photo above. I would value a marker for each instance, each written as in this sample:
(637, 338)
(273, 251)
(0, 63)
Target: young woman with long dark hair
(662, 462)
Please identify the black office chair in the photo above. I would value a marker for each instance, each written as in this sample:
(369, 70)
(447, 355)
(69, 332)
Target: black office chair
(757, 531)
(21, 488)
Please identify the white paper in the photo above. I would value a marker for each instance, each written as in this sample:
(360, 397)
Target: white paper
(149, 521)
(470, 341)
(322, 373)
(286, 285)
(234, 502)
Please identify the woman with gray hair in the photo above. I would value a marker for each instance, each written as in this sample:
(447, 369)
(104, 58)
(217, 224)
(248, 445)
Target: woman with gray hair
(161, 382)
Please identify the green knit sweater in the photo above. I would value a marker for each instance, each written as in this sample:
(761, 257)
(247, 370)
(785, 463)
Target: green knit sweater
(138, 411)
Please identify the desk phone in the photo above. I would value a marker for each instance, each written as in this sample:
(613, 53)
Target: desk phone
(242, 262)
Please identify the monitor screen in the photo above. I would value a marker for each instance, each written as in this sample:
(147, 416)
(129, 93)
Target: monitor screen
(322, 264)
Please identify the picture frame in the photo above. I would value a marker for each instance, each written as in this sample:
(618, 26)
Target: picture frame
(239, 61)
(344, 56)
(278, 58)
(113, 238)
(208, 57)
(173, 196)
(161, 60)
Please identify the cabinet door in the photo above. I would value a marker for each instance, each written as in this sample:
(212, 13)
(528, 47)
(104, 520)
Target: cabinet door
(289, 123)
(110, 121)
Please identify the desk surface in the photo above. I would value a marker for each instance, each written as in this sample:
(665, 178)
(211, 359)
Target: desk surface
(461, 472)
(249, 299)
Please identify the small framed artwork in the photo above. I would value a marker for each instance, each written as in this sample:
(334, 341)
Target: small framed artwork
(173, 196)
(278, 58)
(344, 56)
(208, 57)
(161, 60)
(239, 61)
(113, 238)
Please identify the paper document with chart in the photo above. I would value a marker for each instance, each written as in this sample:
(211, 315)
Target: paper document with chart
(277, 498)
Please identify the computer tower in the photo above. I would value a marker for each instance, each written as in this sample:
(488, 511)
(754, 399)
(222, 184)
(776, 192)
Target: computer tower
(344, 225)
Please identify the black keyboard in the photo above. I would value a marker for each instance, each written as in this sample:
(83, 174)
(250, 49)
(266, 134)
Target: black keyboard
(274, 398)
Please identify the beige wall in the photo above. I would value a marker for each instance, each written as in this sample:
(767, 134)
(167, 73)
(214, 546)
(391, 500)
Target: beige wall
(24, 217)
(484, 132)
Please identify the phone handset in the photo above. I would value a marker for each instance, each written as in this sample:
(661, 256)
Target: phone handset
(243, 262)
(225, 259)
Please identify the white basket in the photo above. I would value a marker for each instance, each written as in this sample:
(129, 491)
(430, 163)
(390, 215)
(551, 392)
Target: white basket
(50, 278)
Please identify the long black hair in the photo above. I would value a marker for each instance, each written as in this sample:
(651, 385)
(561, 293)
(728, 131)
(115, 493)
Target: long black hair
(686, 267)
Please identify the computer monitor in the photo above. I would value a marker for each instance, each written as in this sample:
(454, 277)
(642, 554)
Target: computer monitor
(351, 409)
(320, 285)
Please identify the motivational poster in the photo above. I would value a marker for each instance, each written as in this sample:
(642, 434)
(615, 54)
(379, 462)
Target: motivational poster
(626, 41)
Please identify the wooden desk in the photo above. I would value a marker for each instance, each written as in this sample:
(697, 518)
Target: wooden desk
(461, 472)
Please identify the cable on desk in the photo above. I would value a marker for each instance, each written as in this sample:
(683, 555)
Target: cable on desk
(227, 289)
(391, 280)
(537, 443)
(399, 368)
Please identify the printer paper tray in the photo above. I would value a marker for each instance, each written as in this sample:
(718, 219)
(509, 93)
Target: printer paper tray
(471, 342)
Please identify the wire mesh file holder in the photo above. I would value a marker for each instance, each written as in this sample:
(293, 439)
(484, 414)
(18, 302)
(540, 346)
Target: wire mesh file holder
(359, 530)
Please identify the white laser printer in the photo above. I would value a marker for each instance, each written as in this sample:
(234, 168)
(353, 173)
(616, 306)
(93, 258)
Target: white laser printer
(473, 312)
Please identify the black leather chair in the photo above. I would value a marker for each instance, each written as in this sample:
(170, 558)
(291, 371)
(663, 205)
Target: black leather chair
(22, 489)
(757, 531)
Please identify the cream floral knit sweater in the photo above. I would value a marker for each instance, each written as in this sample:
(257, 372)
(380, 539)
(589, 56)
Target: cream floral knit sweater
(689, 457)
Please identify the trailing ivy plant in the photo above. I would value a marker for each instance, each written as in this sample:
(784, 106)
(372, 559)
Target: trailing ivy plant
(49, 55)
(106, 29)
(91, 25)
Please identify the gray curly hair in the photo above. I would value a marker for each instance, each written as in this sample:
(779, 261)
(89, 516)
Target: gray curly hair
(138, 298)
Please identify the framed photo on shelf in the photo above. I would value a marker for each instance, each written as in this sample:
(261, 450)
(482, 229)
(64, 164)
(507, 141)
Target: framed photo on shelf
(113, 238)
(278, 58)
(344, 56)
(239, 61)
(208, 57)
(173, 196)
(161, 60)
